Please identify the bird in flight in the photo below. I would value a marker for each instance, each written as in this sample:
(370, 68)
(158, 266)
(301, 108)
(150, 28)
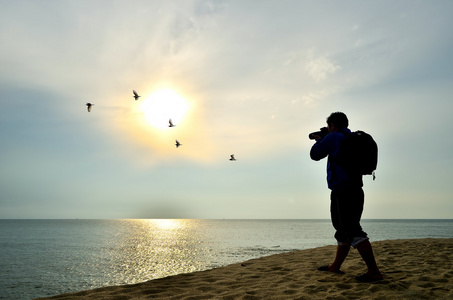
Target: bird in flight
(89, 105)
(136, 96)
(171, 123)
(232, 157)
(178, 144)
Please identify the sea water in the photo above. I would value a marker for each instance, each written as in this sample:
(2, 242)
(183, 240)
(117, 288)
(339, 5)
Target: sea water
(48, 257)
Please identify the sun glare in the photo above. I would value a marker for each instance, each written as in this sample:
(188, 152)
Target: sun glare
(163, 105)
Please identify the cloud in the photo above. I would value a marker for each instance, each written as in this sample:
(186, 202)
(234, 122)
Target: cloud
(320, 68)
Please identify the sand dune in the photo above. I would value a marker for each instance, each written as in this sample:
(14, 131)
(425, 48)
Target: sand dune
(413, 269)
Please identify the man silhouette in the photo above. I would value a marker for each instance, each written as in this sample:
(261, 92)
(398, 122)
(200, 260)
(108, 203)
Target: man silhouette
(347, 200)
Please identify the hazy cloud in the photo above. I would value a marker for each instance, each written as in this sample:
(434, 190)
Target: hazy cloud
(320, 68)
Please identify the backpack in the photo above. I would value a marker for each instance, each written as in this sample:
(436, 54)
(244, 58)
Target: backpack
(358, 154)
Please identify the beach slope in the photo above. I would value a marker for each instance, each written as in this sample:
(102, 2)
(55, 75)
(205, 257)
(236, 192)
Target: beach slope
(413, 269)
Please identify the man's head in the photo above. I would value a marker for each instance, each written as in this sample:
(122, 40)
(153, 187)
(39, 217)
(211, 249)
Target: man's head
(337, 121)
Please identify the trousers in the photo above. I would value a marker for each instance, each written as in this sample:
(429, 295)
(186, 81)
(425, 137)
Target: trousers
(346, 207)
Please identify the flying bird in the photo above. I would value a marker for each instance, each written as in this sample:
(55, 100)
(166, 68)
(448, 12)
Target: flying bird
(178, 144)
(89, 105)
(136, 96)
(232, 157)
(171, 123)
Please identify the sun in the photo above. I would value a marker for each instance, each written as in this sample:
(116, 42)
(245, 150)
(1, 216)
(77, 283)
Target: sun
(163, 105)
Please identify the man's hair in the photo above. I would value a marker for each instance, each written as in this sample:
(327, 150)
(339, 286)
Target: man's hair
(338, 119)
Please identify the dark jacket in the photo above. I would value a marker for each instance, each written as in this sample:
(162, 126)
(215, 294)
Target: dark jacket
(337, 178)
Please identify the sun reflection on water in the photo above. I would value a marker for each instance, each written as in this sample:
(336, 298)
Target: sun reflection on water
(157, 248)
(168, 224)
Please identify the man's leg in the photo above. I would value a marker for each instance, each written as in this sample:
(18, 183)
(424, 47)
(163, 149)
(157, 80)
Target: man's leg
(342, 248)
(366, 251)
(342, 252)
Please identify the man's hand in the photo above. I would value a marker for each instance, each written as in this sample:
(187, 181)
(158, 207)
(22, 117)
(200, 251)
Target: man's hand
(316, 137)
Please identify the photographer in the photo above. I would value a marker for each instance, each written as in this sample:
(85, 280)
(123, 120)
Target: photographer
(347, 198)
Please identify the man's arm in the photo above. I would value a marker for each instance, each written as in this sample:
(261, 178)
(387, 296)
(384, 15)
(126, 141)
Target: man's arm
(321, 148)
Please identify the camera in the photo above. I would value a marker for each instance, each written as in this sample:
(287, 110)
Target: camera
(322, 133)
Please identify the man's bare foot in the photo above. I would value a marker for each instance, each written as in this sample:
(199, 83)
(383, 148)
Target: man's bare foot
(329, 269)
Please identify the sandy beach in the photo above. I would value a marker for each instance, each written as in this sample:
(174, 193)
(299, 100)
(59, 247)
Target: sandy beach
(412, 269)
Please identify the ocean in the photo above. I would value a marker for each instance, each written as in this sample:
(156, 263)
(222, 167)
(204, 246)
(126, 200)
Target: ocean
(41, 258)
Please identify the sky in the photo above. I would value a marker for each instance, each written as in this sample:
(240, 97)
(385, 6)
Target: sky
(247, 78)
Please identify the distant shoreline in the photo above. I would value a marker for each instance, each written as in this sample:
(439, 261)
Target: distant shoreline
(82, 219)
